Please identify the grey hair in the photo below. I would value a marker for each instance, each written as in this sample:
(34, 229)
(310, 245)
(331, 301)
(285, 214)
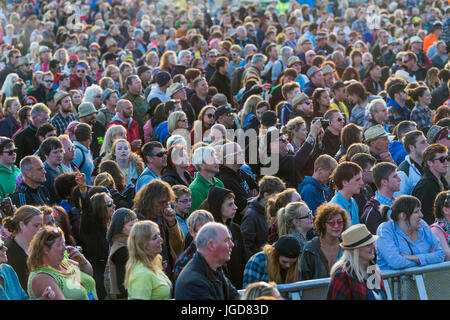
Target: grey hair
(199, 217)
(286, 50)
(27, 163)
(208, 232)
(258, 57)
(202, 155)
(91, 92)
(176, 139)
(182, 53)
(373, 105)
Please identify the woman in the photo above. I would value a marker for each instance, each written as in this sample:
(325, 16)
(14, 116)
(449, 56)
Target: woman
(97, 211)
(321, 102)
(249, 109)
(63, 57)
(152, 203)
(159, 121)
(406, 240)
(11, 107)
(220, 203)
(37, 80)
(350, 73)
(357, 94)
(69, 278)
(255, 120)
(129, 162)
(350, 275)
(296, 132)
(121, 192)
(198, 63)
(144, 277)
(206, 119)
(279, 263)
(354, 148)
(62, 220)
(321, 253)
(177, 121)
(27, 220)
(121, 223)
(9, 83)
(152, 60)
(441, 113)
(432, 79)
(75, 96)
(113, 72)
(10, 288)
(177, 164)
(295, 219)
(421, 114)
(167, 62)
(350, 134)
(20, 90)
(261, 291)
(112, 134)
(441, 228)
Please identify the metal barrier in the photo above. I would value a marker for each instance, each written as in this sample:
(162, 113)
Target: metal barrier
(431, 282)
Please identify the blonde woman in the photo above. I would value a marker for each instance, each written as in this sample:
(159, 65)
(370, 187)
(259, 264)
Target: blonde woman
(261, 291)
(177, 120)
(112, 134)
(37, 79)
(295, 219)
(249, 108)
(355, 276)
(113, 72)
(63, 57)
(8, 85)
(144, 275)
(10, 108)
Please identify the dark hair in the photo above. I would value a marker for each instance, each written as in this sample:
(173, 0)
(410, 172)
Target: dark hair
(147, 149)
(363, 159)
(444, 75)
(350, 134)
(64, 184)
(50, 144)
(382, 171)
(82, 132)
(406, 204)
(441, 113)
(315, 100)
(113, 169)
(170, 164)
(442, 200)
(62, 221)
(270, 185)
(410, 139)
(23, 113)
(345, 171)
(99, 209)
(358, 89)
(44, 129)
(149, 195)
(221, 61)
(418, 92)
(430, 152)
(325, 212)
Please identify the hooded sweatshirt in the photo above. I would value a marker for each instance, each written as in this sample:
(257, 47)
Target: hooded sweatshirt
(234, 268)
(314, 193)
(8, 180)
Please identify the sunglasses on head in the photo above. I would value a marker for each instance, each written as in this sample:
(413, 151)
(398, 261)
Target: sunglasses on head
(339, 223)
(442, 159)
(10, 152)
(160, 154)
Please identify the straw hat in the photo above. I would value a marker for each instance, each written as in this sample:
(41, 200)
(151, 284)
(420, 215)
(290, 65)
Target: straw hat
(357, 236)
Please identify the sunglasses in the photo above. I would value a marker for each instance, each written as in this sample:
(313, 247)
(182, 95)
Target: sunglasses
(340, 119)
(339, 223)
(81, 71)
(309, 215)
(442, 159)
(11, 152)
(210, 115)
(109, 203)
(160, 154)
(48, 81)
(183, 120)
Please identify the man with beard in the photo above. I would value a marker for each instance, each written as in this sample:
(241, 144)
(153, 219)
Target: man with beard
(124, 117)
(88, 114)
(63, 104)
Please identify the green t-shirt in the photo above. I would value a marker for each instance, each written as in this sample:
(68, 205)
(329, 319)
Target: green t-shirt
(200, 189)
(145, 284)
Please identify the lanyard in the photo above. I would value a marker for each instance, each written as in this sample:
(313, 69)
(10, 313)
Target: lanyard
(72, 276)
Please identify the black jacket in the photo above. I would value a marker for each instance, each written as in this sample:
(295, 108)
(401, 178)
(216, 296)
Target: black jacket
(439, 96)
(426, 191)
(26, 142)
(172, 177)
(371, 216)
(331, 143)
(197, 281)
(9, 68)
(25, 195)
(254, 227)
(98, 133)
(222, 84)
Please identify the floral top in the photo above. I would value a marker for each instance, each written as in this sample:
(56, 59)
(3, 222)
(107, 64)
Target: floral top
(444, 226)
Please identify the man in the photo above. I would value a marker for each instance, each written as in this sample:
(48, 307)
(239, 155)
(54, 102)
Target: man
(289, 91)
(26, 141)
(205, 161)
(322, 47)
(88, 114)
(63, 82)
(388, 57)
(210, 68)
(145, 74)
(67, 164)
(331, 140)
(184, 58)
(421, 62)
(203, 277)
(295, 63)
(378, 141)
(225, 116)
(435, 159)
(366, 162)
(348, 180)
(124, 117)
(291, 38)
(53, 152)
(83, 156)
(106, 113)
(241, 38)
(315, 76)
(158, 92)
(235, 179)
(272, 54)
(415, 71)
(372, 79)
(441, 94)
(411, 169)
(337, 102)
(338, 58)
(302, 107)
(63, 104)
(31, 191)
(387, 181)
(440, 59)
(435, 34)
(8, 169)
(281, 64)
(376, 49)
(156, 160)
(254, 226)
(44, 59)
(397, 110)
(378, 114)
(24, 70)
(438, 134)
(220, 79)
(328, 73)
(133, 86)
(256, 67)
(177, 91)
(13, 59)
(315, 189)
(200, 97)
(44, 89)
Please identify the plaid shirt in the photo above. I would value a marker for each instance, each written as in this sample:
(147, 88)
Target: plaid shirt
(421, 116)
(61, 123)
(358, 115)
(360, 27)
(256, 269)
(344, 286)
(183, 260)
(445, 36)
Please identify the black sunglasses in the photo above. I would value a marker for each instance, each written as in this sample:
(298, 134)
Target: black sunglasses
(109, 203)
(11, 152)
(442, 159)
(309, 215)
(160, 154)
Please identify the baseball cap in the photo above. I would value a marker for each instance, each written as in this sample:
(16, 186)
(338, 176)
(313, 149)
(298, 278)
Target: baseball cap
(311, 71)
(225, 109)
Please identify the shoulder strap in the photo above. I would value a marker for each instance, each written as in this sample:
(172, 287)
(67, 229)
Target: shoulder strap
(322, 257)
(84, 158)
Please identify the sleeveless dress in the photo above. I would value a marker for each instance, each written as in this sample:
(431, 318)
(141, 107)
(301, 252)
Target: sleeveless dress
(74, 284)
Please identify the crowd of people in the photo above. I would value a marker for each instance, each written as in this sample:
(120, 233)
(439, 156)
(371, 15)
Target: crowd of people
(188, 150)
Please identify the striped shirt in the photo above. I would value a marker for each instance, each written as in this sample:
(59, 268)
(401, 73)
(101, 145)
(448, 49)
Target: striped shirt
(61, 123)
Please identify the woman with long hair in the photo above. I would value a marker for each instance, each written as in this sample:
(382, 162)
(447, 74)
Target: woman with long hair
(37, 79)
(20, 90)
(10, 110)
(112, 134)
(421, 114)
(279, 263)
(350, 274)
(144, 277)
(8, 85)
(320, 101)
(432, 79)
(201, 128)
(178, 161)
(350, 134)
(350, 73)
(441, 113)
(168, 61)
(121, 223)
(441, 227)
(76, 96)
(321, 253)
(113, 72)
(249, 109)
(295, 219)
(406, 240)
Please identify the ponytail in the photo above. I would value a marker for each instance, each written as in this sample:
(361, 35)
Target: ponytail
(384, 212)
(281, 221)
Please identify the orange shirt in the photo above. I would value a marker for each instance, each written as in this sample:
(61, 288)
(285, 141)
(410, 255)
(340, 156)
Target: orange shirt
(428, 42)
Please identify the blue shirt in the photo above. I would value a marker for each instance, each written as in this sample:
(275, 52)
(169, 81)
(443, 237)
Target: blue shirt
(88, 166)
(384, 201)
(350, 206)
(183, 225)
(392, 242)
(146, 176)
(11, 289)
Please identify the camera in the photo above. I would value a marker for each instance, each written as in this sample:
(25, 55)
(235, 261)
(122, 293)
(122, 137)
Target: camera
(324, 122)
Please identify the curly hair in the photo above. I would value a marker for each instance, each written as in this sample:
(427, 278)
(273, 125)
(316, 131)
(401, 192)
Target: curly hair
(326, 212)
(149, 195)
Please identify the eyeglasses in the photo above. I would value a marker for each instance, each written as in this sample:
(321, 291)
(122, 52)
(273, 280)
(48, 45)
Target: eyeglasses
(81, 71)
(339, 223)
(109, 203)
(183, 120)
(160, 154)
(309, 215)
(442, 159)
(10, 152)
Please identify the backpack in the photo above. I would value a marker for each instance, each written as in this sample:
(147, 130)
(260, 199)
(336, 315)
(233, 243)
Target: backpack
(80, 167)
